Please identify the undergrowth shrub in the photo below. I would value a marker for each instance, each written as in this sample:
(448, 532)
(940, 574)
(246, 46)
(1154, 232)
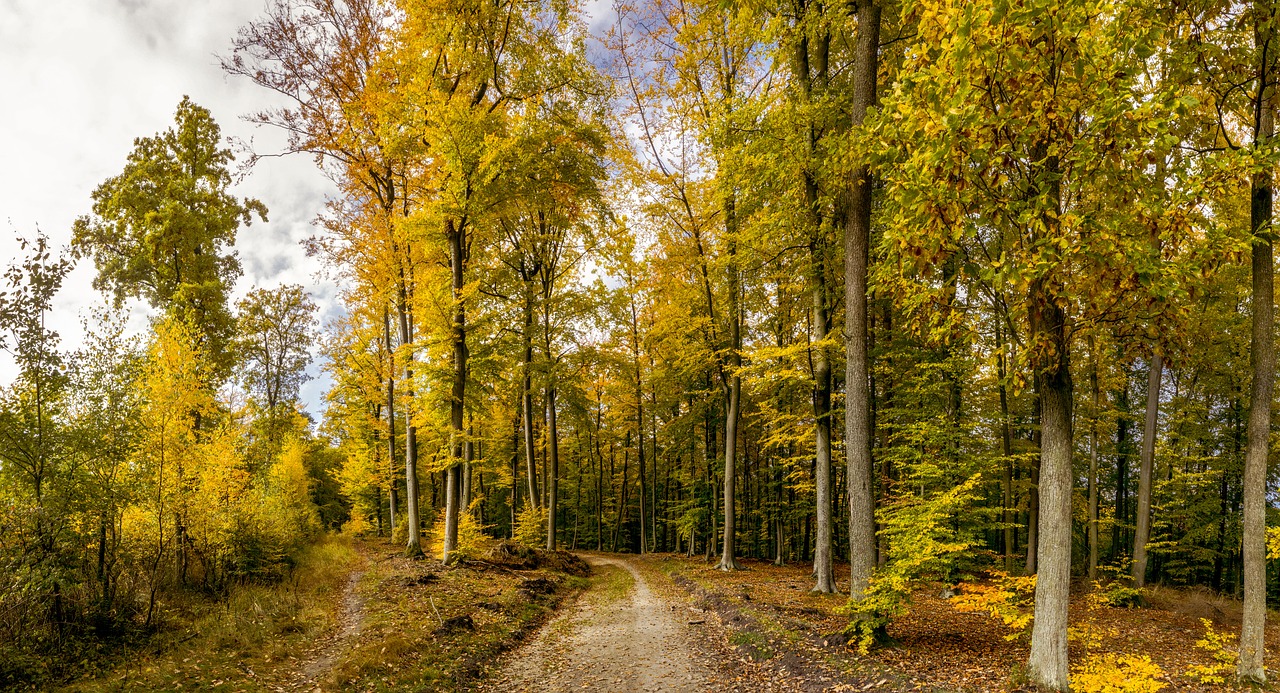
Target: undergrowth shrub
(1009, 598)
(1110, 673)
(923, 543)
(1117, 595)
(531, 527)
(472, 541)
(1219, 646)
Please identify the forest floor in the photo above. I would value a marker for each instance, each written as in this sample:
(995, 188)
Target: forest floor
(355, 616)
(785, 635)
(359, 616)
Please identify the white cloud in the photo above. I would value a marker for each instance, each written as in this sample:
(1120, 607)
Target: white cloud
(82, 79)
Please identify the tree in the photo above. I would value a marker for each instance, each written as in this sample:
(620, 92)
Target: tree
(857, 244)
(162, 230)
(276, 330)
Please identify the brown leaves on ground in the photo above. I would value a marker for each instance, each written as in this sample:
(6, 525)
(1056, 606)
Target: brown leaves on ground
(434, 627)
(770, 611)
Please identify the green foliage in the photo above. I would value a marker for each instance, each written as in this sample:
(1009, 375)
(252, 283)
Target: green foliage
(163, 229)
(1116, 594)
(923, 544)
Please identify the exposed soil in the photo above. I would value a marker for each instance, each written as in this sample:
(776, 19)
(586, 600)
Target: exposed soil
(350, 623)
(606, 641)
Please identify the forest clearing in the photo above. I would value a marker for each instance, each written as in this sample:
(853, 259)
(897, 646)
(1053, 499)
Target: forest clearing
(639, 345)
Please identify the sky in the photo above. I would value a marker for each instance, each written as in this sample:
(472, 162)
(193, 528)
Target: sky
(82, 78)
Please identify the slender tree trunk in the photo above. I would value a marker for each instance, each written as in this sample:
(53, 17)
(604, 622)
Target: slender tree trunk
(391, 419)
(1033, 499)
(413, 547)
(468, 457)
(857, 242)
(1142, 531)
(454, 234)
(733, 391)
(1006, 449)
(1262, 358)
(526, 397)
(553, 472)
(1093, 461)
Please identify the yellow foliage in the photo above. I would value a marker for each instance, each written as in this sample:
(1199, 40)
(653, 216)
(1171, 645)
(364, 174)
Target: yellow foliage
(1273, 542)
(1110, 673)
(472, 540)
(1008, 599)
(358, 525)
(1224, 659)
(531, 527)
(1090, 635)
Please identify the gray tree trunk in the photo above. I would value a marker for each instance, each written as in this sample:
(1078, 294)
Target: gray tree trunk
(857, 242)
(1142, 529)
(1262, 357)
(1047, 665)
(733, 388)
(413, 546)
(1093, 462)
(391, 419)
(553, 473)
(458, 336)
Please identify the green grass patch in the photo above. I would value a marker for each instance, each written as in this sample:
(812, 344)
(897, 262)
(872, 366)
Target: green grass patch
(241, 643)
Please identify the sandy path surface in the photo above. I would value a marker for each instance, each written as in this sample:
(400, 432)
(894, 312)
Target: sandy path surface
(633, 643)
(350, 623)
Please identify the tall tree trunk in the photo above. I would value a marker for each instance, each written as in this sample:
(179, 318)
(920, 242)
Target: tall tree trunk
(1033, 493)
(391, 419)
(810, 62)
(857, 243)
(1047, 665)
(1142, 531)
(1093, 460)
(526, 396)
(553, 472)
(1262, 358)
(458, 337)
(733, 389)
(1006, 449)
(468, 457)
(413, 547)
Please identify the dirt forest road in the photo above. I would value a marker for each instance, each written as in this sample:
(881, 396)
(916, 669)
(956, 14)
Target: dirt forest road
(619, 636)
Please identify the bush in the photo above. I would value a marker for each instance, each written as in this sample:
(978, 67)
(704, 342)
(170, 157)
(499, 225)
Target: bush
(1109, 673)
(1117, 595)
(1010, 599)
(472, 540)
(531, 527)
(1224, 659)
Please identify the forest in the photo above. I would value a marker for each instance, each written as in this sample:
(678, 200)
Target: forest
(916, 295)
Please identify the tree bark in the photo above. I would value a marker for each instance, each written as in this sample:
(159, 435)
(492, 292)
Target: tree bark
(1047, 665)
(1262, 358)
(458, 337)
(526, 396)
(733, 389)
(1093, 461)
(413, 547)
(1142, 531)
(553, 471)
(857, 242)
(391, 418)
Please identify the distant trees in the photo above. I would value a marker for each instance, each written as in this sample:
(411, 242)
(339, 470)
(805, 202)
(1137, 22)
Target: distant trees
(162, 229)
